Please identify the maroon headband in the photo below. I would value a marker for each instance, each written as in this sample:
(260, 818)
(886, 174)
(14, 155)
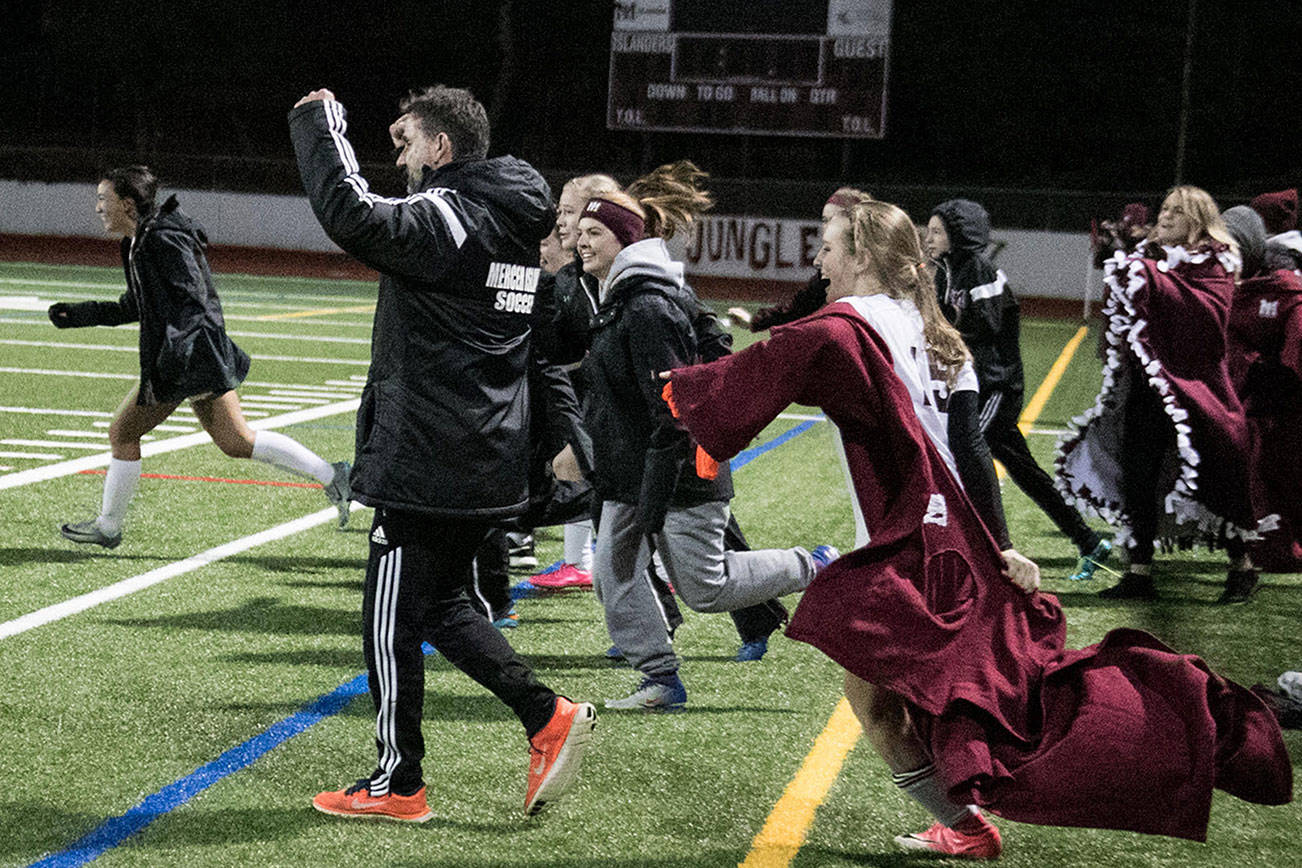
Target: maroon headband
(624, 223)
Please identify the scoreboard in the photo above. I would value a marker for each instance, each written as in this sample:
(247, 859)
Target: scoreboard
(769, 67)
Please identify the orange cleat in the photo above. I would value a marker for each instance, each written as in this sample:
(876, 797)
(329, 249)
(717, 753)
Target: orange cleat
(357, 801)
(983, 844)
(556, 752)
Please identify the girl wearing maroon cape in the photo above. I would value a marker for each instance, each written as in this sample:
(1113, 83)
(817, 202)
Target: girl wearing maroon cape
(960, 678)
(1265, 358)
(1164, 451)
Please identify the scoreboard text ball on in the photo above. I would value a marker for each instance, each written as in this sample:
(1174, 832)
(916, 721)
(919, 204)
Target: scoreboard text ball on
(767, 67)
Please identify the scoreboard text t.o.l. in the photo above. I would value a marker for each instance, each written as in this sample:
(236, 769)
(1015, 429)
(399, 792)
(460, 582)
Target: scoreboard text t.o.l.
(769, 67)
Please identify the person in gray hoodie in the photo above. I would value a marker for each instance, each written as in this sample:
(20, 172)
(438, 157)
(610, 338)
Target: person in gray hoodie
(974, 295)
(654, 489)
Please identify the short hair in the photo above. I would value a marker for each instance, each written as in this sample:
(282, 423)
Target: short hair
(136, 183)
(453, 111)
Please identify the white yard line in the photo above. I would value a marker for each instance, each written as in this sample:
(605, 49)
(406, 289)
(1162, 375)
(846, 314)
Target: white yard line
(133, 349)
(183, 429)
(39, 456)
(46, 411)
(351, 388)
(59, 611)
(325, 339)
(49, 372)
(171, 444)
(299, 393)
(224, 289)
(51, 444)
(270, 336)
(295, 399)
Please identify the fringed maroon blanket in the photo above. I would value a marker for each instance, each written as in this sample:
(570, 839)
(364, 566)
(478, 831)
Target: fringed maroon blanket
(1265, 358)
(1166, 322)
(1125, 734)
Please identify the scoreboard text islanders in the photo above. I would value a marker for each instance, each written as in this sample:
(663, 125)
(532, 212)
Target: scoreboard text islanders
(770, 67)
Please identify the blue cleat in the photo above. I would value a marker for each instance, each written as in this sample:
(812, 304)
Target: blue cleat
(1092, 561)
(823, 555)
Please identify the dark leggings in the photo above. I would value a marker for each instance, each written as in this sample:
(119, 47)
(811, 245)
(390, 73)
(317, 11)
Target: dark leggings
(1147, 437)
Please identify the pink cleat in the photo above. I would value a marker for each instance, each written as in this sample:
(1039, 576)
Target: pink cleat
(566, 576)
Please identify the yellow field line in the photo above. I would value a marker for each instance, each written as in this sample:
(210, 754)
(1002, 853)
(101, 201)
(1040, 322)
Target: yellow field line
(1041, 397)
(361, 308)
(785, 830)
(1035, 406)
(788, 824)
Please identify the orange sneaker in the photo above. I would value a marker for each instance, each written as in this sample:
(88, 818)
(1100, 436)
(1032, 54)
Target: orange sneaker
(357, 801)
(941, 839)
(556, 752)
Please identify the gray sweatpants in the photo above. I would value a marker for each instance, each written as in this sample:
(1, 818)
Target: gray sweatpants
(706, 577)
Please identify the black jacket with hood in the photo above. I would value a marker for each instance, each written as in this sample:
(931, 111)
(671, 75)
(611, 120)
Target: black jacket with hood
(184, 349)
(443, 426)
(642, 327)
(976, 298)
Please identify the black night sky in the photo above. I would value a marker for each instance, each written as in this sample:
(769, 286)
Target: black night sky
(1045, 98)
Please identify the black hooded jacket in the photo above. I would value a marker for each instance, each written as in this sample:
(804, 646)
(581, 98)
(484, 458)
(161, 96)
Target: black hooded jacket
(184, 350)
(644, 326)
(976, 298)
(443, 426)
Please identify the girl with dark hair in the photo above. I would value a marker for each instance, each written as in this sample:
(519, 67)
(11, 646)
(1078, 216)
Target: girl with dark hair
(184, 351)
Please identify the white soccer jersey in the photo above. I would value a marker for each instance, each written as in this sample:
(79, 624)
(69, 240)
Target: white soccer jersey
(900, 324)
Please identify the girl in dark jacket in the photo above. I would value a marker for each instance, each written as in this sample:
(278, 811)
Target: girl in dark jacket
(184, 351)
(643, 469)
(976, 298)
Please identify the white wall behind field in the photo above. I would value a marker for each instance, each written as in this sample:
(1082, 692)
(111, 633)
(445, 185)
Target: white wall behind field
(1038, 264)
(245, 219)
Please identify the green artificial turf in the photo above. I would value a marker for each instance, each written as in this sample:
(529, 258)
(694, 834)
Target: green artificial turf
(105, 707)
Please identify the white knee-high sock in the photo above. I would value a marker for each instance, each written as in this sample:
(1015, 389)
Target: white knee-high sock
(119, 485)
(578, 545)
(288, 454)
(924, 786)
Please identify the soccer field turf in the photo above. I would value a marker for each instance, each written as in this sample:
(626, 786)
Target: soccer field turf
(188, 713)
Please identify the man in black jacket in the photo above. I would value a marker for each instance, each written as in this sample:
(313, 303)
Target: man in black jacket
(443, 427)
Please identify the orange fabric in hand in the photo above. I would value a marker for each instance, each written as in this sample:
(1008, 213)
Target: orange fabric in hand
(668, 394)
(706, 467)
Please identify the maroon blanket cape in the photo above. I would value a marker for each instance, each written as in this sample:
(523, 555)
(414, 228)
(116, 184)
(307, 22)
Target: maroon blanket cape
(1017, 723)
(1166, 322)
(1265, 358)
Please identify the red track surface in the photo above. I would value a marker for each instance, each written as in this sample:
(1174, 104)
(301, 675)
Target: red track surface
(219, 479)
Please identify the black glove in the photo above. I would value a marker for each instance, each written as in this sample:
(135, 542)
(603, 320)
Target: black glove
(69, 316)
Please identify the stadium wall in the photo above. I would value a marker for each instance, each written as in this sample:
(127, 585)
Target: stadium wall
(727, 256)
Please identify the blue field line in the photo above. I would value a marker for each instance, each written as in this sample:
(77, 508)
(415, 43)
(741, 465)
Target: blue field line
(746, 456)
(115, 830)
